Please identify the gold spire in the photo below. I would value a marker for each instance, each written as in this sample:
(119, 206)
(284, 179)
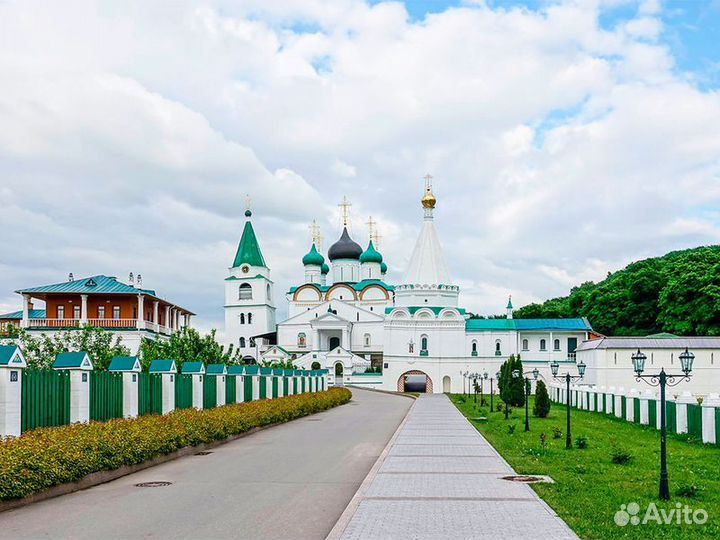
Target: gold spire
(315, 235)
(428, 200)
(345, 205)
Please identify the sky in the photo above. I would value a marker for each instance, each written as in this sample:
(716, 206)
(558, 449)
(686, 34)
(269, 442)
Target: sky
(565, 139)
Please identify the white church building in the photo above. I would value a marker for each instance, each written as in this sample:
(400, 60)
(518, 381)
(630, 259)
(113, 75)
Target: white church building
(346, 318)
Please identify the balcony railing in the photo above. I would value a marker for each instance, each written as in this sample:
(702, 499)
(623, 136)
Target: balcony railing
(116, 324)
(571, 356)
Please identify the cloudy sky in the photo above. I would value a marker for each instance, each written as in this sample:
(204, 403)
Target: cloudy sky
(566, 138)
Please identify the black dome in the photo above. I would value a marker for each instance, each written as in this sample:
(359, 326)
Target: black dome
(345, 248)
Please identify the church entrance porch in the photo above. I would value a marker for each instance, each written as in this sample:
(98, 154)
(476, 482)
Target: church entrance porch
(339, 370)
(415, 381)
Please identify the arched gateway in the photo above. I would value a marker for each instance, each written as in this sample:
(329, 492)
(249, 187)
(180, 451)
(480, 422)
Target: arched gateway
(412, 381)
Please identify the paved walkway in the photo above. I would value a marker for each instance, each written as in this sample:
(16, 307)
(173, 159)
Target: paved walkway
(439, 478)
(289, 481)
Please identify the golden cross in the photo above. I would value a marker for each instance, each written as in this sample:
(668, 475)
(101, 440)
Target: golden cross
(371, 227)
(248, 201)
(428, 183)
(315, 234)
(376, 237)
(345, 205)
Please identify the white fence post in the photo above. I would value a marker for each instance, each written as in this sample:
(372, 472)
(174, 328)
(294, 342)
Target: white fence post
(709, 429)
(12, 363)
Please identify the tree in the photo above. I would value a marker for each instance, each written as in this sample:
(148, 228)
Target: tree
(512, 389)
(188, 346)
(541, 408)
(101, 345)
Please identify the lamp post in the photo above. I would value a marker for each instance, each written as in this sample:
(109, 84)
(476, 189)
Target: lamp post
(535, 373)
(492, 394)
(475, 386)
(662, 380)
(464, 374)
(554, 367)
(484, 377)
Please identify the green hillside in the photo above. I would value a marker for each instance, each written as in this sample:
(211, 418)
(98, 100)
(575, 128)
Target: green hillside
(677, 293)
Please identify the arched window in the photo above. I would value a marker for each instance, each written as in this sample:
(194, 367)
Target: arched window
(474, 347)
(423, 343)
(245, 292)
(543, 347)
(269, 292)
(525, 345)
(242, 318)
(301, 341)
(556, 344)
(242, 342)
(249, 318)
(366, 338)
(497, 346)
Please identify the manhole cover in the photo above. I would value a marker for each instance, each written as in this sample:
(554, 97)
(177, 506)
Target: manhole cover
(524, 479)
(203, 453)
(314, 419)
(153, 484)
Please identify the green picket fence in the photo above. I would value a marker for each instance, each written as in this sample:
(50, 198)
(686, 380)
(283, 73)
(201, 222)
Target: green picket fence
(45, 398)
(106, 395)
(247, 385)
(149, 393)
(652, 413)
(670, 417)
(263, 387)
(694, 420)
(275, 387)
(230, 389)
(636, 411)
(183, 391)
(209, 392)
(286, 386)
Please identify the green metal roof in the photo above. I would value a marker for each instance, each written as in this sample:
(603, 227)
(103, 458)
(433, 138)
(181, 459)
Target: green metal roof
(359, 286)
(216, 369)
(371, 255)
(248, 251)
(383, 267)
(489, 325)
(193, 367)
(324, 269)
(313, 257)
(236, 370)
(251, 370)
(70, 360)
(163, 366)
(17, 315)
(11, 354)
(95, 284)
(124, 363)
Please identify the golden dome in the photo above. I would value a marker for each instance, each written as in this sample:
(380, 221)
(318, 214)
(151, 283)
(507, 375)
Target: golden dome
(429, 200)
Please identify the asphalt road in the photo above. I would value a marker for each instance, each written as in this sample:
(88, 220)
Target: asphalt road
(289, 481)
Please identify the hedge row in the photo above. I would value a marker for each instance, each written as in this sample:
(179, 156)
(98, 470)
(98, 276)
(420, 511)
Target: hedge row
(51, 456)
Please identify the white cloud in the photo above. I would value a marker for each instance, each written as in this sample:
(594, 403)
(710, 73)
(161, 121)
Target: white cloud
(131, 134)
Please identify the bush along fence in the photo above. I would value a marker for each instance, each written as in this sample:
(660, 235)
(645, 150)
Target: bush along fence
(686, 413)
(73, 392)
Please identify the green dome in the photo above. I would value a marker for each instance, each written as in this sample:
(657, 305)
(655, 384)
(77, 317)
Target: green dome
(313, 257)
(324, 269)
(383, 268)
(371, 255)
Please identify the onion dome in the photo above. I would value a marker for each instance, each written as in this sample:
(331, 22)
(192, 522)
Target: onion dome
(383, 268)
(313, 257)
(371, 255)
(429, 200)
(345, 248)
(324, 269)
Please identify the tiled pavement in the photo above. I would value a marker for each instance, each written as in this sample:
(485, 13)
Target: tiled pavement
(441, 479)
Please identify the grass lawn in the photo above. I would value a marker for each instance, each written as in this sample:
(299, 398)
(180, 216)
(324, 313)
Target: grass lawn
(589, 487)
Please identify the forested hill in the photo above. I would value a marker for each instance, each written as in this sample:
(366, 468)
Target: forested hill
(677, 293)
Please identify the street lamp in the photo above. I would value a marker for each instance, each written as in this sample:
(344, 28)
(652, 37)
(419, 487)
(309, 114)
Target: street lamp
(484, 377)
(662, 380)
(492, 394)
(535, 373)
(554, 367)
(475, 386)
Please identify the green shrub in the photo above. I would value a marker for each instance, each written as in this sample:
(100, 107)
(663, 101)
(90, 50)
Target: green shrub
(581, 442)
(541, 408)
(47, 457)
(689, 491)
(620, 456)
(511, 428)
(557, 433)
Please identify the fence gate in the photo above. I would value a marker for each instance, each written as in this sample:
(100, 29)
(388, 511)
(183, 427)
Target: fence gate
(149, 393)
(230, 389)
(183, 391)
(106, 395)
(209, 392)
(45, 398)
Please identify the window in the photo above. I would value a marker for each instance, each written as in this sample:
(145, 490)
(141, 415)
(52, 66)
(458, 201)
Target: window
(302, 340)
(556, 345)
(474, 347)
(497, 347)
(424, 343)
(543, 347)
(252, 341)
(116, 313)
(101, 312)
(249, 318)
(76, 312)
(525, 345)
(367, 340)
(242, 342)
(245, 292)
(242, 318)
(411, 348)
(269, 292)
(61, 312)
